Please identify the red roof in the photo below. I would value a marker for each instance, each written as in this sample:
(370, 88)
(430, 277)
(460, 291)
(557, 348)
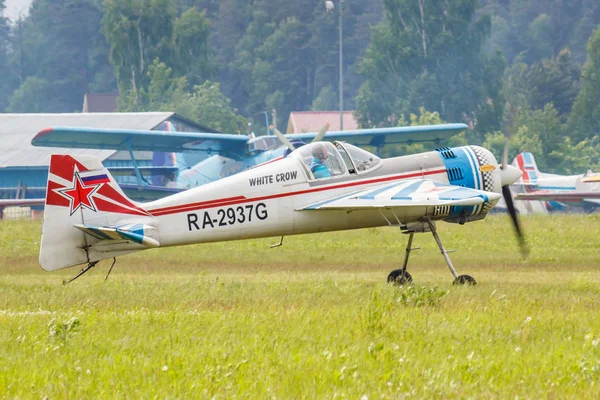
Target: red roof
(312, 121)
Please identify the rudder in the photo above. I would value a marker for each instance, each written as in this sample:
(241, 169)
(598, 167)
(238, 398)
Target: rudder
(81, 192)
(526, 163)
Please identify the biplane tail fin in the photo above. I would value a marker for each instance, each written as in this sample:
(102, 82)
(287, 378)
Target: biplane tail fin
(526, 163)
(87, 217)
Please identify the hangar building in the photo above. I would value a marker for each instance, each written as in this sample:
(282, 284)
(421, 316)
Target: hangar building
(24, 168)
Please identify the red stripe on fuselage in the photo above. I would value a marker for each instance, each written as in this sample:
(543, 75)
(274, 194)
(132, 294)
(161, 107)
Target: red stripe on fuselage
(106, 206)
(242, 199)
(108, 191)
(201, 203)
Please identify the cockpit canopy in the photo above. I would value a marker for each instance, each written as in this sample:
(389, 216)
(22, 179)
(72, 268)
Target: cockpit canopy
(325, 159)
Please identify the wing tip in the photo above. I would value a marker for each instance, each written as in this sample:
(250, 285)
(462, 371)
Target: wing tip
(44, 132)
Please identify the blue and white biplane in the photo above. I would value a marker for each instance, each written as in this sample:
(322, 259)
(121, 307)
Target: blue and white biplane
(184, 160)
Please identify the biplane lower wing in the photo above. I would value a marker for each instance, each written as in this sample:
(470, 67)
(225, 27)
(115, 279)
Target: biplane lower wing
(21, 202)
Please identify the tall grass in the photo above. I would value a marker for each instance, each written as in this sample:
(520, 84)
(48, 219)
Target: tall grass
(312, 319)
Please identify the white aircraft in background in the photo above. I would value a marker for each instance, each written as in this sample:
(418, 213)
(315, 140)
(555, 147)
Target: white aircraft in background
(551, 191)
(319, 187)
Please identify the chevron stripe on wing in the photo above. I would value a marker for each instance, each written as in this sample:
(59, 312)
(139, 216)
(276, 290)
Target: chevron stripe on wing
(408, 193)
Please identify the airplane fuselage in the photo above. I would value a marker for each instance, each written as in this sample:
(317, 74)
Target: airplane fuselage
(265, 201)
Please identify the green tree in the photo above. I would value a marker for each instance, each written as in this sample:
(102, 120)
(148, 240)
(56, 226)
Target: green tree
(584, 121)
(138, 31)
(162, 92)
(327, 100)
(288, 53)
(577, 158)
(208, 106)
(423, 117)
(522, 140)
(553, 81)
(285, 65)
(60, 43)
(33, 96)
(539, 31)
(430, 54)
(194, 57)
(539, 132)
(9, 81)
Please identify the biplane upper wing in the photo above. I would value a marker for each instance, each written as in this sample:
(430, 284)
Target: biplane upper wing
(409, 193)
(137, 140)
(170, 141)
(384, 136)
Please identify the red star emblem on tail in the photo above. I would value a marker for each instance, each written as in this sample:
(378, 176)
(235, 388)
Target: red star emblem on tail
(80, 195)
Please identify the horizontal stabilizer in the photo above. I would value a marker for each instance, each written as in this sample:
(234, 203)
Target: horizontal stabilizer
(137, 233)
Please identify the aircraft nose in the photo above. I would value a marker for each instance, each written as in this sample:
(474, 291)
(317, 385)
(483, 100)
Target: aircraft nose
(509, 175)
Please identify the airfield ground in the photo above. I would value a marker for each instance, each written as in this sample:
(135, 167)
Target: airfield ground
(311, 319)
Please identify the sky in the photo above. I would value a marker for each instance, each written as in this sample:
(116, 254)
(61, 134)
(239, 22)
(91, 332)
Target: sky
(13, 7)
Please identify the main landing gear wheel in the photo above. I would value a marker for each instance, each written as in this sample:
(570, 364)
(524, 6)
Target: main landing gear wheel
(465, 280)
(399, 277)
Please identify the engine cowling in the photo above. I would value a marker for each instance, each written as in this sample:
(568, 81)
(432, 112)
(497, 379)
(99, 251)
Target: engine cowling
(474, 167)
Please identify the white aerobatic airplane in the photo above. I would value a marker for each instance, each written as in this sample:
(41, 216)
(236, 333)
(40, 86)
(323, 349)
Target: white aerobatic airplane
(88, 218)
(554, 191)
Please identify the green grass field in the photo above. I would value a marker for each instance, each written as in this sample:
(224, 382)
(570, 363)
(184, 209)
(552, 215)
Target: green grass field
(311, 319)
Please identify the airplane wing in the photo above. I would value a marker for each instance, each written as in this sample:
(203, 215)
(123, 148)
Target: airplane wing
(409, 193)
(21, 202)
(123, 139)
(149, 170)
(564, 197)
(384, 136)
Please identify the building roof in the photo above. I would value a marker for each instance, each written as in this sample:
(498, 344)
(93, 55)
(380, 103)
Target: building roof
(100, 102)
(312, 121)
(17, 130)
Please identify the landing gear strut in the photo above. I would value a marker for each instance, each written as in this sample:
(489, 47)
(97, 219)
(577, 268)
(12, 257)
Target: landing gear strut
(458, 279)
(402, 277)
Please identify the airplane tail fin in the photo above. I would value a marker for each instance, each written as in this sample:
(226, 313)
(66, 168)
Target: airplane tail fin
(87, 217)
(526, 163)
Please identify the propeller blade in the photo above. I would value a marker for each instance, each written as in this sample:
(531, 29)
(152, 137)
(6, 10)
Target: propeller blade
(283, 139)
(321, 133)
(513, 215)
(508, 122)
(505, 153)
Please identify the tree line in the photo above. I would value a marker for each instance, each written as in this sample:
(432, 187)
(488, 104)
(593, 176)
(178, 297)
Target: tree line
(527, 68)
